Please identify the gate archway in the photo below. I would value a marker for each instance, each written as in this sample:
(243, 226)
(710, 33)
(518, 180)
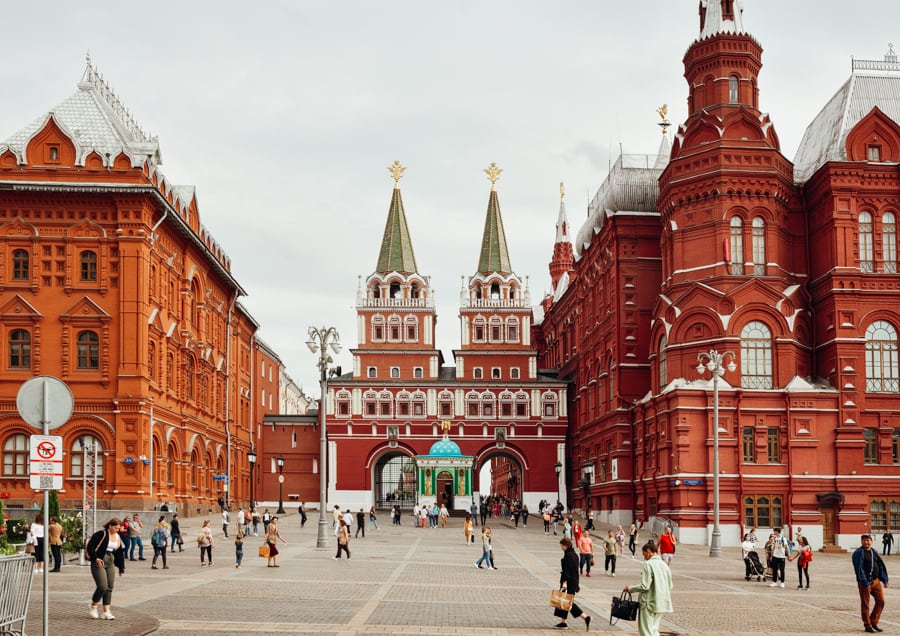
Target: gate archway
(506, 476)
(395, 481)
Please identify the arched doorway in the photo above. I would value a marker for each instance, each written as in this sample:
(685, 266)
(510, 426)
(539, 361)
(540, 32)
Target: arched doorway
(500, 473)
(445, 487)
(395, 481)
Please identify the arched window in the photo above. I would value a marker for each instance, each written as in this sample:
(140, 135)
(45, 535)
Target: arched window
(522, 405)
(91, 443)
(418, 404)
(378, 329)
(89, 266)
(170, 370)
(478, 329)
(881, 358)
(19, 349)
(663, 362)
(889, 242)
(472, 403)
(188, 377)
(488, 405)
(756, 356)
(195, 469)
(548, 405)
(195, 303)
(411, 326)
(394, 328)
(151, 360)
(737, 245)
(512, 329)
(759, 246)
(733, 90)
(21, 263)
(88, 344)
(15, 456)
(496, 327)
(445, 404)
(170, 465)
(866, 259)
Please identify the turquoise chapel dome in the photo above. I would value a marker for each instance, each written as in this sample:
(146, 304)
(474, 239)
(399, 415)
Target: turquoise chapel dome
(445, 448)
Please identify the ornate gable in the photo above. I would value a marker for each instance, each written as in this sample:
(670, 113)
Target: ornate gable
(85, 310)
(18, 310)
(875, 138)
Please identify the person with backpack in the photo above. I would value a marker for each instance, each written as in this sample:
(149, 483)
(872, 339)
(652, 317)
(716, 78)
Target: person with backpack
(803, 555)
(159, 540)
(239, 546)
(781, 550)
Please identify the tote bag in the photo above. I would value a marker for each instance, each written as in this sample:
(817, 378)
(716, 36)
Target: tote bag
(561, 600)
(623, 607)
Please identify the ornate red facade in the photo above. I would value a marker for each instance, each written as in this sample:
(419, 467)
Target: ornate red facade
(791, 274)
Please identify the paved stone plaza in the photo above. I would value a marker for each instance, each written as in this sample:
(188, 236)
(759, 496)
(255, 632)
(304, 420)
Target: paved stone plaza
(422, 581)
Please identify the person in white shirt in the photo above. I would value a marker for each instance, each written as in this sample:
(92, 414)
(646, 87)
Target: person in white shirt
(226, 519)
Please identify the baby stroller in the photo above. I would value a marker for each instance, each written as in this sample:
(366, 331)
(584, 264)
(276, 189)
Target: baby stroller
(755, 567)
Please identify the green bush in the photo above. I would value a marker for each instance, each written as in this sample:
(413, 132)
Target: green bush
(16, 530)
(72, 528)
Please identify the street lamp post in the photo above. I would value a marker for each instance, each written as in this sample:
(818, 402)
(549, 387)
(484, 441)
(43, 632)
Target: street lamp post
(251, 457)
(280, 461)
(320, 340)
(558, 468)
(713, 361)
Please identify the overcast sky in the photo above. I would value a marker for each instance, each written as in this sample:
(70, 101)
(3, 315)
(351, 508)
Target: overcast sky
(285, 115)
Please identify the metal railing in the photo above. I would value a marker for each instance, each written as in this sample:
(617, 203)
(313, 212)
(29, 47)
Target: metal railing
(16, 573)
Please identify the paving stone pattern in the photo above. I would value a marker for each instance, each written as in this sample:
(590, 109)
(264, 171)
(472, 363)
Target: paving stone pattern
(406, 580)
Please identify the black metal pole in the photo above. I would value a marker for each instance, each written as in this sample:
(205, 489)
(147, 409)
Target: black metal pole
(280, 490)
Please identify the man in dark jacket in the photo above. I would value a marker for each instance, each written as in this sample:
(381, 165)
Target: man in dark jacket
(871, 578)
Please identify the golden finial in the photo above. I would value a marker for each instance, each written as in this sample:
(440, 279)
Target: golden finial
(396, 171)
(562, 191)
(493, 173)
(445, 427)
(662, 111)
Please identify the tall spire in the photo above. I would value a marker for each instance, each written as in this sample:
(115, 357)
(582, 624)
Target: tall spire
(494, 255)
(396, 253)
(721, 16)
(563, 260)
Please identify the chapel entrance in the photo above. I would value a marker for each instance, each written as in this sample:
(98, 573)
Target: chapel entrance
(445, 488)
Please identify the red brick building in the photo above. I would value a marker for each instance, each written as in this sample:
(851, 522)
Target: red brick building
(393, 405)
(788, 270)
(109, 281)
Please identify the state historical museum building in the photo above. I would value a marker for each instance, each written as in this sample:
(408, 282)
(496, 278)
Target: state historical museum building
(718, 254)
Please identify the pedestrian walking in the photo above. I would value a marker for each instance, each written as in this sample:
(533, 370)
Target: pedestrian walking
(125, 534)
(620, 541)
(871, 579)
(55, 539)
(655, 589)
(343, 539)
(266, 518)
(226, 519)
(106, 552)
(395, 515)
(160, 540)
(206, 542)
(667, 544)
(373, 519)
(569, 583)
(632, 538)
(524, 516)
(609, 552)
(803, 554)
(361, 523)
(37, 539)
(272, 538)
(546, 517)
(239, 546)
(469, 530)
(485, 549)
(136, 535)
(175, 532)
(887, 540)
(444, 515)
(590, 520)
(255, 518)
(302, 511)
(586, 553)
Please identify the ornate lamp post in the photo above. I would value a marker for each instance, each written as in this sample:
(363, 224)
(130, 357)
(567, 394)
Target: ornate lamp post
(251, 457)
(713, 361)
(558, 468)
(320, 339)
(280, 461)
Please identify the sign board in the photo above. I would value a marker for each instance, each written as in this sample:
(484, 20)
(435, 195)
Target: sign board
(220, 477)
(45, 401)
(693, 482)
(46, 462)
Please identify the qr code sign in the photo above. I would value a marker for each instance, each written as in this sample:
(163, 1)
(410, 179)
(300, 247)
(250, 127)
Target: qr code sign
(46, 482)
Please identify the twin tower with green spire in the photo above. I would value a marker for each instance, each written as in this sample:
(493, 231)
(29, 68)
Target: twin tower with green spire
(397, 317)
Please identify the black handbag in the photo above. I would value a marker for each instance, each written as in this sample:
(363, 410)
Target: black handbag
(623, 607)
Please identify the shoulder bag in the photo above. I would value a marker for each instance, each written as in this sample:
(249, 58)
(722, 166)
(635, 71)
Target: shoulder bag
(623, 607)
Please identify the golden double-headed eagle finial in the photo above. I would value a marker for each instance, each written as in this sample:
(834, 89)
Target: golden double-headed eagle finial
(562, 190)
(493, 173)
(396, 171)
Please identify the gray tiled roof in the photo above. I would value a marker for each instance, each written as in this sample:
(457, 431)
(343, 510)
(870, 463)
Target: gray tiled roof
(95, 120)
(825, 138)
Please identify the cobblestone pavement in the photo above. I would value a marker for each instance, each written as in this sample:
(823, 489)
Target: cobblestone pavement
(405, 580)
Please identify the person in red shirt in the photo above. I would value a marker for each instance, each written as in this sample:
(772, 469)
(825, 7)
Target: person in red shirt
(667, 546)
